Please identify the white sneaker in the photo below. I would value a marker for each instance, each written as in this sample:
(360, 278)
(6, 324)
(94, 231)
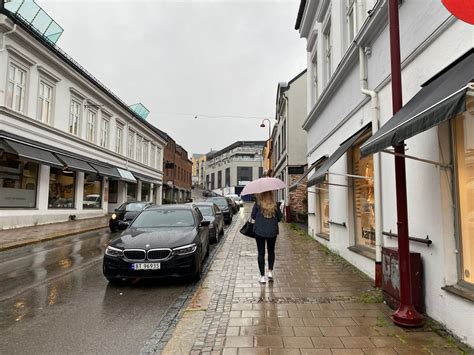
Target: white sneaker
(262, 280)
(270, 276)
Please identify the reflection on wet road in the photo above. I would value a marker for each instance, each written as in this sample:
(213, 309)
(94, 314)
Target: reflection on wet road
(54, 299)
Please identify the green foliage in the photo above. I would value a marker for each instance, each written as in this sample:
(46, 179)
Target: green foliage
(374, 296)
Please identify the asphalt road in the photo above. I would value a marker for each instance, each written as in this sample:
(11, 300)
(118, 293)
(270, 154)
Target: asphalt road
(55, 300)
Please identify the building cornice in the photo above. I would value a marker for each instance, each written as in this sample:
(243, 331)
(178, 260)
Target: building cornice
(308, 16)
(322, 9)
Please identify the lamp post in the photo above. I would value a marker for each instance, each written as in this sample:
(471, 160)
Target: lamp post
(268, 142)
(269, 126)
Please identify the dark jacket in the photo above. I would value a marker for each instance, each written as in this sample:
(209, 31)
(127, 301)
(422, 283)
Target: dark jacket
(265, 227)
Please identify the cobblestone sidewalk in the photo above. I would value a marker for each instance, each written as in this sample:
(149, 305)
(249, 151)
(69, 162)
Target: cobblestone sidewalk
(318, 304)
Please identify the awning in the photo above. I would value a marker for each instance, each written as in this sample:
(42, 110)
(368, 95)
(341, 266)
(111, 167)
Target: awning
(294, 186)
(319, 175)
(106, 170)
(76, 164)
(440, 99)
(35, 154)
(126, 175)
(146, 178)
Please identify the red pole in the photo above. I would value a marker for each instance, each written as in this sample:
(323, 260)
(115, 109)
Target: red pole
(405, 315)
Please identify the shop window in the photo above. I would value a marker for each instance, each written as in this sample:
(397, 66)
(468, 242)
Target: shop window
(18, 182)
(363, 197)
(113, 191)
(146, 188)
(92, 191)
(61, 188)
(464, 148)
(323, 210)
(131, 191)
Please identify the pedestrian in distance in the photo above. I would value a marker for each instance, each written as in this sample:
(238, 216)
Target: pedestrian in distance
(266, 214)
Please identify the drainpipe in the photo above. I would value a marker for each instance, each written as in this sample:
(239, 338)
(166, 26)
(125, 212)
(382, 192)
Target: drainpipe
(5, 36)
(287, 192)
(375, 108)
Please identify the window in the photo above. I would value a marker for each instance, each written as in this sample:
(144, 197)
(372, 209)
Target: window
(61, 188)
(131, 191)
(152, 156)
(18, 182)
(113, 191)
(283, 136)
(219, 179)
(146, 188)
(45, 102)
(104, 132)
(464, 148)
(16, 89)
(323, 210)
(91, 126)
(314, 61)
(139, 149)
(92, 197)
(364, 211)
(260, 171)
(158, 158)
(327, 50)
(131, 144)
(145, 152)
(227, 177)
(119, 138)
(213, 186)
(351, 17)
(74, 117)
(244, 174)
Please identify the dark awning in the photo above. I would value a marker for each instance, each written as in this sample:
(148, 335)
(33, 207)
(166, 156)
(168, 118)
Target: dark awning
(440, 99)
(146, 178)
(319, 175)
(106, 170)
(76, 164)
(32, 153)
(313, 166)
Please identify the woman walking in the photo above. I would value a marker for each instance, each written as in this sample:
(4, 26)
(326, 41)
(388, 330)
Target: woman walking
(266, 214)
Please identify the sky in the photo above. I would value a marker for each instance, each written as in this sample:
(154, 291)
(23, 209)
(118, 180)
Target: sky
(218, 60)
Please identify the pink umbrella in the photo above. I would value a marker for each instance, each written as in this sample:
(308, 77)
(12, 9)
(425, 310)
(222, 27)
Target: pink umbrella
(262, 185)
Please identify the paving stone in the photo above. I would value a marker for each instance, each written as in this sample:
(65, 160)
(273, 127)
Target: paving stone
(380, 351)
(316, 352)
(288, 331)
(273, 341)
(297, 342)
(357, 342)
(307, 331)
(327, 342)
(239, 341)
(253, 330)
(334, 331)
(254, 351)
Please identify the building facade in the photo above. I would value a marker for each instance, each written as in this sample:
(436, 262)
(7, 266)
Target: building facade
(352, 198)
(289, 145)
(230, 169)
(199, 170)
(177, 173)
(69, 148)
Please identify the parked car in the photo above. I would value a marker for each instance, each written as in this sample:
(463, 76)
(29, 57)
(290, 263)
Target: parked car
(162, 241)
(223, 205)
(123, 215)
(214, 215)
(232, 205)
(92, 201)
(238, 200)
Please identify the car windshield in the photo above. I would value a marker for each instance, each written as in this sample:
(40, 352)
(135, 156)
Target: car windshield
(206, 210)
(134, 207)
(164, 218)
(219, 201)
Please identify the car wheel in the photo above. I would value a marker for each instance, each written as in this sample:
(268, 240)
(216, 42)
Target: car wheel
(215, 237)
(198, 273)
(221, 233)
(113, 229)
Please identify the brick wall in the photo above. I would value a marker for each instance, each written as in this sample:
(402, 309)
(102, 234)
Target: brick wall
(298, 198)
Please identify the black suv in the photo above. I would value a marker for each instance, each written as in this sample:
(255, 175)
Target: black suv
(125, 214)
(223, 205)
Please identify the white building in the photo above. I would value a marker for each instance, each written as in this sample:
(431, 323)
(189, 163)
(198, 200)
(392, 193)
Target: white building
(231, 168)
(352, 203)
(289, 143)
(68, 145)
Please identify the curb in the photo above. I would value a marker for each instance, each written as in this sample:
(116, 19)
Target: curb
(52, 236)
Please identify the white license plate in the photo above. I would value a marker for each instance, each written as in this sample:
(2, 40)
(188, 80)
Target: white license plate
(146, 266)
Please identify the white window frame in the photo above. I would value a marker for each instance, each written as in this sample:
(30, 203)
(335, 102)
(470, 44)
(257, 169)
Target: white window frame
(351, 20)
(139, 145)
(104, 131)
(327, 50)
(75, 118)
(145, 151)
(16, 86)
(153, 156)
(119, 138)
(49, 101)
(91, 125)
(158, 157)
(131, 144)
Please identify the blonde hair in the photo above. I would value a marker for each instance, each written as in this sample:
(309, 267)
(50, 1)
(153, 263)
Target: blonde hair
(267, 204)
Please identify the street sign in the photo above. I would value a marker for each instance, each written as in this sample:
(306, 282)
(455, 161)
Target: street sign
(462, 9)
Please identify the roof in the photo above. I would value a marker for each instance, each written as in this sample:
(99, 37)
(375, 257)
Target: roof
(300, 14)
(170, 207)
(213, 154)
(63, 56)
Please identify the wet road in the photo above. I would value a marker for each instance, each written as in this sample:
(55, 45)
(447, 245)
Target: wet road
(54, 299)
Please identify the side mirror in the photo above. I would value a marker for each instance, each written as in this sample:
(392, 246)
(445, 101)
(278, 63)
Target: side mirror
(123, 225)
(205, 223)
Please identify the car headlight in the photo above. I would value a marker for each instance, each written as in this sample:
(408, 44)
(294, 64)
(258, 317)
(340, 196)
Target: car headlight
(185, 249)
(114, 216)
(115, 252)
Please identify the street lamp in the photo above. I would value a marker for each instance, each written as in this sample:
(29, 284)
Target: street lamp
(269, 126)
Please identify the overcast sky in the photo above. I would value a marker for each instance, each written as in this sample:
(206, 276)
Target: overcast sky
(213, 59)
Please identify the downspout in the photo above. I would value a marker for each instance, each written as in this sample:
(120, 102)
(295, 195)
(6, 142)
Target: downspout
(287, 176)
(375, 108)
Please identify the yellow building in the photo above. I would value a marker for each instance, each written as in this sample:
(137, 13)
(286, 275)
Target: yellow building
(199, 169)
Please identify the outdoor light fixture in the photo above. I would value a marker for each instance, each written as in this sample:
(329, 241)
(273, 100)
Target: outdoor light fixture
(269, 126)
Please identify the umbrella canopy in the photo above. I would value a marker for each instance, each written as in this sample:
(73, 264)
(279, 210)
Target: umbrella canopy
(261, 185)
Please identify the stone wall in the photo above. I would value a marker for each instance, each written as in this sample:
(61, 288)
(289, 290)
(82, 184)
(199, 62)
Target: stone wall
(298, 198)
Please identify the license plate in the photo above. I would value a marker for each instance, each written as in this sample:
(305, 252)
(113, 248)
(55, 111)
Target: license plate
(146, 266)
